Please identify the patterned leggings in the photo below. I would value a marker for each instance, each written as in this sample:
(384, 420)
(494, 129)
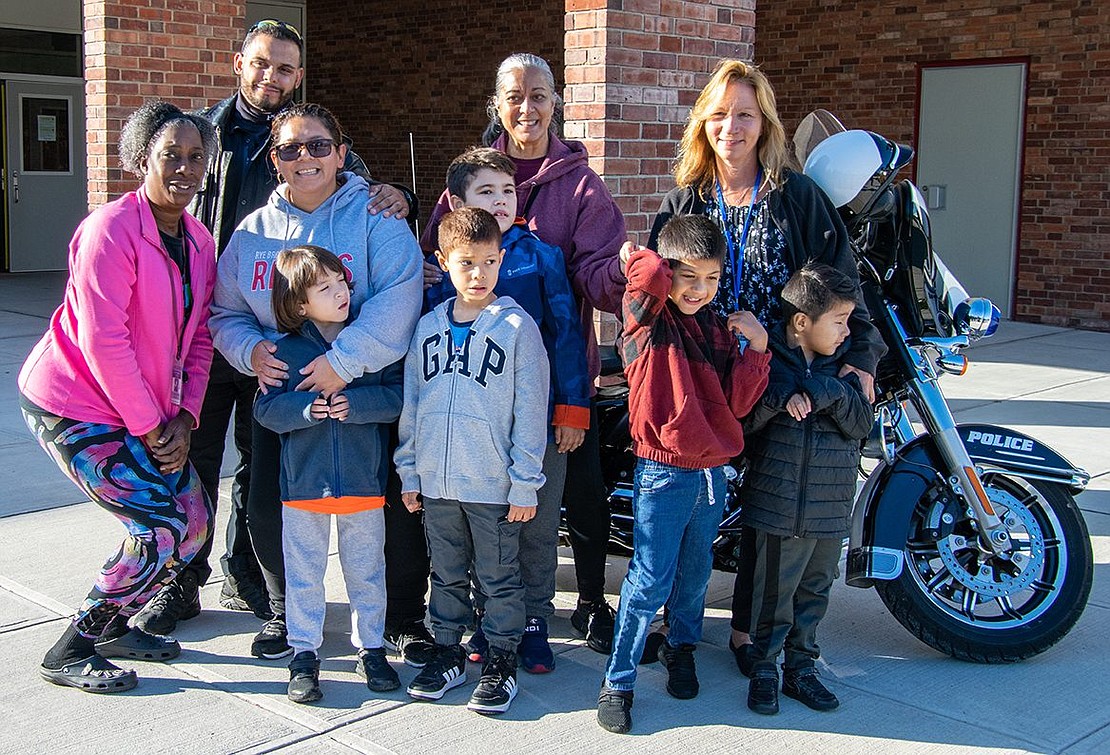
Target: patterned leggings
(168, 516)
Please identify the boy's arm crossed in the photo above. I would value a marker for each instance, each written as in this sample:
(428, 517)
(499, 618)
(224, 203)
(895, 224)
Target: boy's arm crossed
(843, 400)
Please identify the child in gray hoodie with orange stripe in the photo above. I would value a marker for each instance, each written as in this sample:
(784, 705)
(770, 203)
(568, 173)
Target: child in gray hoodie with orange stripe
(473, 432)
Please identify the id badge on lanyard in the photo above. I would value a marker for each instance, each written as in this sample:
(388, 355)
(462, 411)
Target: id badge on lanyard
(178, 376)
(737, 255)
(177, 385)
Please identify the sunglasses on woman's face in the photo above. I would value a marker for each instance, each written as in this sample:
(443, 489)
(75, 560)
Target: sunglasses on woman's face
(292, 150)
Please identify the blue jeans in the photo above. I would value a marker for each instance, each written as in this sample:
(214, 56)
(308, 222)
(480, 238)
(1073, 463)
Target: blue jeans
(677, 512)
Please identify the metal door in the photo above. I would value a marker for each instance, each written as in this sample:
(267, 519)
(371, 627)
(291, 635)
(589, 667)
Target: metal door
(45, 193)
(969, 166)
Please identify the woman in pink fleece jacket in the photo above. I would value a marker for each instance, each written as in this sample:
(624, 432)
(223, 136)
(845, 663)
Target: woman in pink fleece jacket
(113, 390)
(567, 205)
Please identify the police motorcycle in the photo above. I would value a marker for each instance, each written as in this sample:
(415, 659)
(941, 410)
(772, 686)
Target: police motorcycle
(969, 533)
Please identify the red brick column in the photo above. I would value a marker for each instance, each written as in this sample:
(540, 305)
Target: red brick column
(176, 50)
(632, 73)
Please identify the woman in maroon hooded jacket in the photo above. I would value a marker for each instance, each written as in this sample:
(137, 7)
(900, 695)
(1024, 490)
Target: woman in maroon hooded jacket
(567, 205)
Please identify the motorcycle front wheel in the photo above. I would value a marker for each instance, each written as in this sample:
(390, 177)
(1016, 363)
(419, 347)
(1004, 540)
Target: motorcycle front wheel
(972, 605)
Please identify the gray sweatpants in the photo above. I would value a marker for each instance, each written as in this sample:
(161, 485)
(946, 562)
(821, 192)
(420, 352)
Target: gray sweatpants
(474, 538)
(304, 542)
(790, 593)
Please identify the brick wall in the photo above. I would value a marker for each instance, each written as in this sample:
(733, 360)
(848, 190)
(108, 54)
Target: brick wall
(137, 50)
(868, 76)
(423, 67)
(634, 68)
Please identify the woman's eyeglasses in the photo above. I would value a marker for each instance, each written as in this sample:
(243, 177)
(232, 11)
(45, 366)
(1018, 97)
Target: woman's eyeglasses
(292, 150)
(273, 23)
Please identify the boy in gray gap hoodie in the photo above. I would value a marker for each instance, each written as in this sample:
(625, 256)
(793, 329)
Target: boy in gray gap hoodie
(473, 433)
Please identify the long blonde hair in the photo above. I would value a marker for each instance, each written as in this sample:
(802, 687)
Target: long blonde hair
(696, 165)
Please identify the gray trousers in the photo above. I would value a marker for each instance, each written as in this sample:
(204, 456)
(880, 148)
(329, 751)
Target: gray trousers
(476, 539)
(539, 541)
(791, 581)
(304, 542)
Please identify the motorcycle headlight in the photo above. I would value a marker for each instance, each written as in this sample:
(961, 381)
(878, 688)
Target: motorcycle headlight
(976, 317)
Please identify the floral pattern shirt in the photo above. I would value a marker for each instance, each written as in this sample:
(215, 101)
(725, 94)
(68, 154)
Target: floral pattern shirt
(763, 271)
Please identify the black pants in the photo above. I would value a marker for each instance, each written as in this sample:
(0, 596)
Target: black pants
(406, 551)
(587, 513)
(407, 566)
(791, 582)
(742, 587)
(228, 392)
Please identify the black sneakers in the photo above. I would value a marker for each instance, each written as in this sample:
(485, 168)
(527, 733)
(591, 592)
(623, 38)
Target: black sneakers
(246, 593)
(804, 686)
(595, 621)
(763, 689)
(497, 687)
(614, 710)
(304, 678)
(445, 670)
(412, 642)
(375, 669)
(177, 601)
(273, 641)
(682, 677)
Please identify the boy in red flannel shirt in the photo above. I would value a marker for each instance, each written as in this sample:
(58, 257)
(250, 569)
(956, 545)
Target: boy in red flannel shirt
(688, 389)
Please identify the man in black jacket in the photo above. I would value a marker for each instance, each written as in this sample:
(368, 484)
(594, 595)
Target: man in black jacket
(239, 180)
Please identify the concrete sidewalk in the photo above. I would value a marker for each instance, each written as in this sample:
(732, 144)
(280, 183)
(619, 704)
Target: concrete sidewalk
(897, 694)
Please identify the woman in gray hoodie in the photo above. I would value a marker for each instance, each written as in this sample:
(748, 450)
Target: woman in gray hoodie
(315, 204)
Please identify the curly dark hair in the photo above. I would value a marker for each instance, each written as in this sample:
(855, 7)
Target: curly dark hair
(145, 125)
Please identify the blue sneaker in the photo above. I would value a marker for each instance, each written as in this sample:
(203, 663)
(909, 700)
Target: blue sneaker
(478, 647)
(534, 651)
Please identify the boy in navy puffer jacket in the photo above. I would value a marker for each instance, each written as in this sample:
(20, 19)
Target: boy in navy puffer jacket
(333, 461)
(804, 450)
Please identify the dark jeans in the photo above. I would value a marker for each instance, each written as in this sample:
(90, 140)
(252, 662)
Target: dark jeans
(228, 392)
(587, 513)
(406, 551)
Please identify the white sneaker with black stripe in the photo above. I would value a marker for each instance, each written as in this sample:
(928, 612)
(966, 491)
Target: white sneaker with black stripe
(445, 671)
(497, 687)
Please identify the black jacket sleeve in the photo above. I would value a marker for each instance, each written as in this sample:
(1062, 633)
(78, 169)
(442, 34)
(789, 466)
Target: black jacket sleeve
(842, 400)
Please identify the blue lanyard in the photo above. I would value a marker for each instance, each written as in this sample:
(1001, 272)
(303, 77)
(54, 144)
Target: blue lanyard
(737, 255)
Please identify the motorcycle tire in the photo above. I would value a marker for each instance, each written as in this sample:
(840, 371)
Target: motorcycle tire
(951, 597)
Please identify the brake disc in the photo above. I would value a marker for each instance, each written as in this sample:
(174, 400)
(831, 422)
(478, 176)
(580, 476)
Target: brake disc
(1027, 554)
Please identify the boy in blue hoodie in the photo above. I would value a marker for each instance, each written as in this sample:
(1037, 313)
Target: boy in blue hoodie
(333, 461)
(472, 439)
(534, 275)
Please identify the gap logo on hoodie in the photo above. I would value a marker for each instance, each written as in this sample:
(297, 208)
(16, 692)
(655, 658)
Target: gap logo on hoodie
(440, 356)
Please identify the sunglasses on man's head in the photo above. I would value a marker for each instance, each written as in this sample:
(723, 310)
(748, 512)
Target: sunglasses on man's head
(292, 150)
(273, 23)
